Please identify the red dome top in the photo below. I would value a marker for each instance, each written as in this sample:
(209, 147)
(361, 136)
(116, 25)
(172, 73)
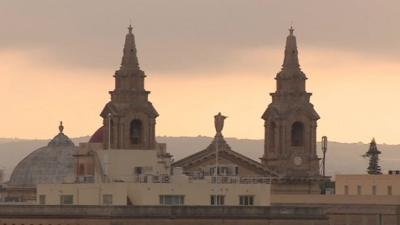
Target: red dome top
(98, 136)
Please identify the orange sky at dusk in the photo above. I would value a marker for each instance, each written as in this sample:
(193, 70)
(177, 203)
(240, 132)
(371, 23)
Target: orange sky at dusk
(354, 102)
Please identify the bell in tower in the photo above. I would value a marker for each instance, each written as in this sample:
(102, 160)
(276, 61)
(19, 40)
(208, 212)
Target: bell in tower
(129, 118)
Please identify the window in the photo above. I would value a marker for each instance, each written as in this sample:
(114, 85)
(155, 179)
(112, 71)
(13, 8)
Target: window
(389, 190)
(373, 189)
(107, 199)
(297, 134)
(236, 171)
(81, 169)
(138, 170)
(223, 171)
(346, 189)
(217, 200)
(42, 199)
(246, 200)
(213, 171)
(172, 199)
(136, 132)
(359, 190)
(66, 199)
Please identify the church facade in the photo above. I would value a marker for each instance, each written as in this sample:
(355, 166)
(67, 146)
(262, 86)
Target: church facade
(123, 161)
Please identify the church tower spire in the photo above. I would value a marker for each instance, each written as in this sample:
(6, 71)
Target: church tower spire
(129, 118)
(291, 60)
(129, 58)
(291, 121)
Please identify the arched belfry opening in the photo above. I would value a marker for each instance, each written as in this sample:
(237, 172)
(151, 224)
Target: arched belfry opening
(136, 131)
(297, 134)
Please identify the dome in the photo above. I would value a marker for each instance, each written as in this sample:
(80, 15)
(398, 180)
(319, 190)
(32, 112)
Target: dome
(97, 137)
(49, 164)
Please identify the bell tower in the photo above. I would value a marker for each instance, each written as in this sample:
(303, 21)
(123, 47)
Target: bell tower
(291, 121)
(129, 118)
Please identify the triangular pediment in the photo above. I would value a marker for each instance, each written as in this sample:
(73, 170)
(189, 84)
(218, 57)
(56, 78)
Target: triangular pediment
(224, 153)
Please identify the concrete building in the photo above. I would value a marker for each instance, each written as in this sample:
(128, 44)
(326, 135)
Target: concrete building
(361, 184)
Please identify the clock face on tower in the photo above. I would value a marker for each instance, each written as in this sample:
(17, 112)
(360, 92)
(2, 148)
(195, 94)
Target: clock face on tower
(297, 160)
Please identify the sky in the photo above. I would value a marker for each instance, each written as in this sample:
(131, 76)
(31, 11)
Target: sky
(57, 59)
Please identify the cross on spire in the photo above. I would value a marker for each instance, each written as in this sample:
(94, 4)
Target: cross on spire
(129, 58)
(291, 60)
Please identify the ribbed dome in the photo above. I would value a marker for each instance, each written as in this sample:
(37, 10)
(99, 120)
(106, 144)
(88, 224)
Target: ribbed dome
(97, 137)
(49, 164)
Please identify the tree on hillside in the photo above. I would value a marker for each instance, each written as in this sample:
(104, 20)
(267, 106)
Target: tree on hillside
(373, 155)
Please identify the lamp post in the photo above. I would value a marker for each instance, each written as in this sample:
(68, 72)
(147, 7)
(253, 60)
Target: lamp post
(109, 131)
(105, 156)
(324, 146)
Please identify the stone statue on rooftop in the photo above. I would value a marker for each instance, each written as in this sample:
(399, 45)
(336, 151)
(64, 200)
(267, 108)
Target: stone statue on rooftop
(219, 122)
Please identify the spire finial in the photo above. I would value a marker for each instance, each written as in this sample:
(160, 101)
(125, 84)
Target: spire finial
(291, 59)
(130, 28)
(61, 127)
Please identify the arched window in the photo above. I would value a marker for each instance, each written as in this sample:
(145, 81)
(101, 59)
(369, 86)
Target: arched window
(136, 131)
(272, 127)
(297, 134)
(81, 169)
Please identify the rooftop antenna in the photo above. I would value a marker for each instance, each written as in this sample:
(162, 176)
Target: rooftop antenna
(324, 147)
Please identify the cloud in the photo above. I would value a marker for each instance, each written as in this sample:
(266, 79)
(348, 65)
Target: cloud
(193, 36)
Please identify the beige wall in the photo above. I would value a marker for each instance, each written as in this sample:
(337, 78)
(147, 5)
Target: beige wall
(334, 199)
(196, 192)
(120, 164)
(366, 183)
(83, 194)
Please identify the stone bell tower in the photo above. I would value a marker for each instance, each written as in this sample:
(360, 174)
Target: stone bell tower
(291, 121)
(129, 118)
